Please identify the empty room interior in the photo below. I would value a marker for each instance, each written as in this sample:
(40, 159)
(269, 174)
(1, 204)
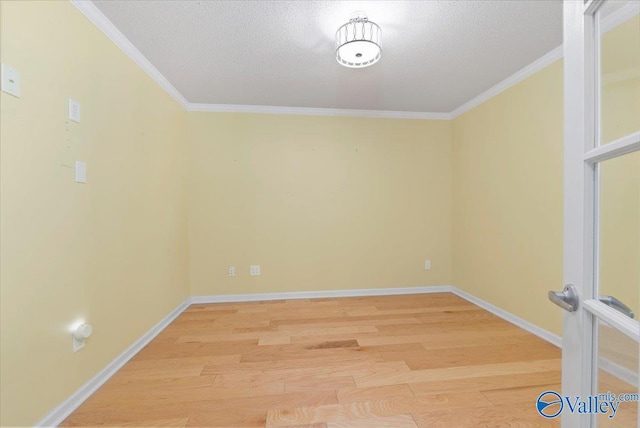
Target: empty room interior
(318, 213)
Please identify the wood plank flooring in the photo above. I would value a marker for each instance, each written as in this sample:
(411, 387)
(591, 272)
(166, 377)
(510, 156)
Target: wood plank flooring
(430, 360)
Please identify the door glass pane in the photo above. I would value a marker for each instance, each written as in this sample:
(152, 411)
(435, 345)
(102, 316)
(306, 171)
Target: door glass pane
(619, 69)
(619, 273)
(617, 374)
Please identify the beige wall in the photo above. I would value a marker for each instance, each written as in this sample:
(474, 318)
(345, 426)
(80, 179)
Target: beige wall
(507, 189)
(507, 198)
(112, 252)
(321, 203)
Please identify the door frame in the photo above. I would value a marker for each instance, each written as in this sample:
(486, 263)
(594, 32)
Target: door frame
(582, 154)
(578, 236)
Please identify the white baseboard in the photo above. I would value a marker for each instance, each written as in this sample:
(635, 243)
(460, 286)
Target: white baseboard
(229, 298)
(60, 413)
(608, 366)
(513, 319)
(56, 416)
(621, 372)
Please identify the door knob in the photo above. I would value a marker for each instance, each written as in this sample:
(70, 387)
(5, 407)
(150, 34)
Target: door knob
(567, 299)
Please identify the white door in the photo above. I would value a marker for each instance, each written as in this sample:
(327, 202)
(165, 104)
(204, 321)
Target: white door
(600, 345)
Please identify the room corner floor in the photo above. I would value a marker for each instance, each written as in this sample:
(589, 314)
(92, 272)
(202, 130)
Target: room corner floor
(428, 360)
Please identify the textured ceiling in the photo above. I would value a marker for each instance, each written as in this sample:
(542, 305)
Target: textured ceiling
(437, 55)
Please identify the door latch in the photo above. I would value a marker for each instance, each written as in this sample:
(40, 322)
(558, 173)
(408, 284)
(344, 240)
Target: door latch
(617, 304)
(567, 299)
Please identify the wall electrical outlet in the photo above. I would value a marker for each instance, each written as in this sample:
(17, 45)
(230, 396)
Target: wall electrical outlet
(254, 270)
(427, 264)
(231, 271)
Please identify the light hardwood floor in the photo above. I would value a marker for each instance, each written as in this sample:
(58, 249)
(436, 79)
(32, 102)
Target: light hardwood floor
(430, 360)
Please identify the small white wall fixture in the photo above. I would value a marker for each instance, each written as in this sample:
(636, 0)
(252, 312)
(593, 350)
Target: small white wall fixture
(79, 335)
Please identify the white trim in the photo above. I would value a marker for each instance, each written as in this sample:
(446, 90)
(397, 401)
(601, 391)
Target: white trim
(230, 298)
(621, 372)
(608, 366)
(537, 65)
(622, 146)
(614, 318)
(513, 319)
(526, 325)
(308, 111)
(57, 415)
(579, 344)
(106, 26)
(592, 6)
(620, 16)
(609, 23)
(110, 30)
(94, 15)
(60, 413)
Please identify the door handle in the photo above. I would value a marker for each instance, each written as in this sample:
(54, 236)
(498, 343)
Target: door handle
(567, 299)
(617, 304)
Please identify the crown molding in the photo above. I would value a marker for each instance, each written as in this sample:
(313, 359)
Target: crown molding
(106, 26)
(308, 111)
(537, 65)
(620, 16)
(617, 18)
(91, 11)
(94, 15)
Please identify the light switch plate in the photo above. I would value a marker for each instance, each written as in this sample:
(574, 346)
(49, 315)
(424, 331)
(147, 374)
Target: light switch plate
(81, 172)
(74, 110)
(10, 80)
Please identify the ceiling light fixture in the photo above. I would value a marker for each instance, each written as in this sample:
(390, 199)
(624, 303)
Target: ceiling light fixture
(358, 42)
